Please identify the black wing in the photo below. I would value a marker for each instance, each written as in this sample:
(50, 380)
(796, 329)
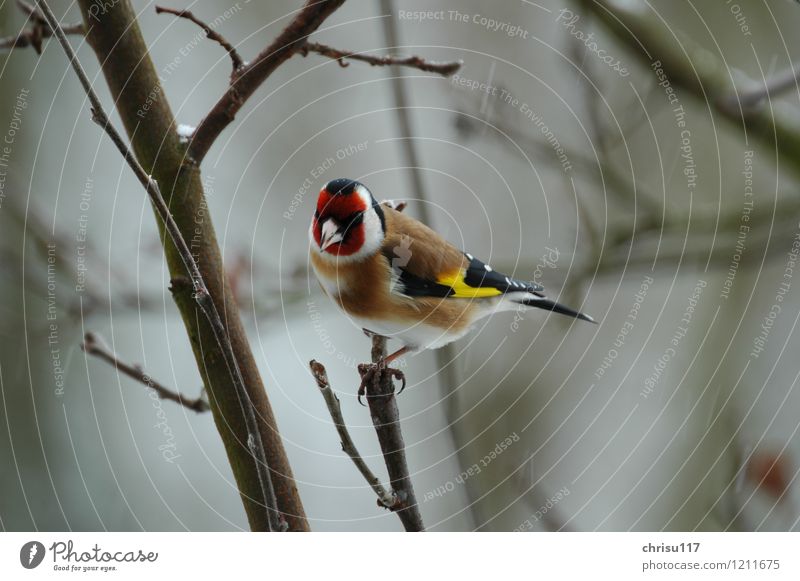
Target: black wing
(476, 280)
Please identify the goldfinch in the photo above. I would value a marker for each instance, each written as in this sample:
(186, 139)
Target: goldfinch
(397, 278)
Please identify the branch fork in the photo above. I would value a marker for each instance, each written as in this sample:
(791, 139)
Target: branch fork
(385, 416)
(247, 77)
(39, 30)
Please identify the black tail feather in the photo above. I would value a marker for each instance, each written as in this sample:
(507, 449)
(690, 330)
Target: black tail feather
(549, 305)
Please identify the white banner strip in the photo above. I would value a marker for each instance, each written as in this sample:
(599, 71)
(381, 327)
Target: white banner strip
(377, 556)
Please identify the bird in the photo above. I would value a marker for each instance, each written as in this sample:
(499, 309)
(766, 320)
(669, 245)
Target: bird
(396, 277)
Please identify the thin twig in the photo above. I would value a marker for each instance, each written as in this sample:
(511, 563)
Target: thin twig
(291, 40)
(29, 9)
(751, 99)
(200, 294)
(444, 69)
(251, 76)
(34, 37)
(236, 60)
(92, 346)
(348, 446)
(38, 32)
(688, 65)
(386, 419)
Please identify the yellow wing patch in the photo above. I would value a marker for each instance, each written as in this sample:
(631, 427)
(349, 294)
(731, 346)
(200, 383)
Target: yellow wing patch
(462, 290)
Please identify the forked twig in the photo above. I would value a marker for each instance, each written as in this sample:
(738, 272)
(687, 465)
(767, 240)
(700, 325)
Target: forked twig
(92, 346)
(386, 419)
(348, 446)
(236, 60)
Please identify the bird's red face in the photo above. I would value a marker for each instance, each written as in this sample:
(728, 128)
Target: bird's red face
(338, 223)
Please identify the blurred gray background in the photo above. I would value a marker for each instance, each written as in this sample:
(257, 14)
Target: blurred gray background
(683, 427)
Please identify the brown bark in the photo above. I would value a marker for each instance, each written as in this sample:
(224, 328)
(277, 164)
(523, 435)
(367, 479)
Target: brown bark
(115, 36)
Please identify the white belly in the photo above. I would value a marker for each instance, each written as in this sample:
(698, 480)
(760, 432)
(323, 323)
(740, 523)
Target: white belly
(417, 336)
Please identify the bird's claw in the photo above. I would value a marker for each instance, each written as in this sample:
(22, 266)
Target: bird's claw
(368, 371)
(400, 376)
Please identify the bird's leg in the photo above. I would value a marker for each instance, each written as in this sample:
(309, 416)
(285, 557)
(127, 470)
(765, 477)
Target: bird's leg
(368, 371)
(399, 353)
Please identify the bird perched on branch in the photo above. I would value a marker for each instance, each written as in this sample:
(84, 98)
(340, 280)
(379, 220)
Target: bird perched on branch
(397, 278)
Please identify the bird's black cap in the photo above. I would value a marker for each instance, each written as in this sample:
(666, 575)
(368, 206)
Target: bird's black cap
(341, 186)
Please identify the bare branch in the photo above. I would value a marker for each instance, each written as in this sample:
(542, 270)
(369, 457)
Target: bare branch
(293, 39)
(201, 294)
(92, 346)
(444, 69)
(348, 446)
(34, 37)
(236, 60)
(752, 99)
(30, 10)
(689, 65)
(386, 419)
(39, 31)
(251, 76)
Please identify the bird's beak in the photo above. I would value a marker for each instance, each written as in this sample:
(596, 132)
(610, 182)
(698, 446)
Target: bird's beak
(330, 234)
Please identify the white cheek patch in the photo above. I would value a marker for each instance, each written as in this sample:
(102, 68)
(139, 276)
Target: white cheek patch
(373, 233)
(373, 227)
